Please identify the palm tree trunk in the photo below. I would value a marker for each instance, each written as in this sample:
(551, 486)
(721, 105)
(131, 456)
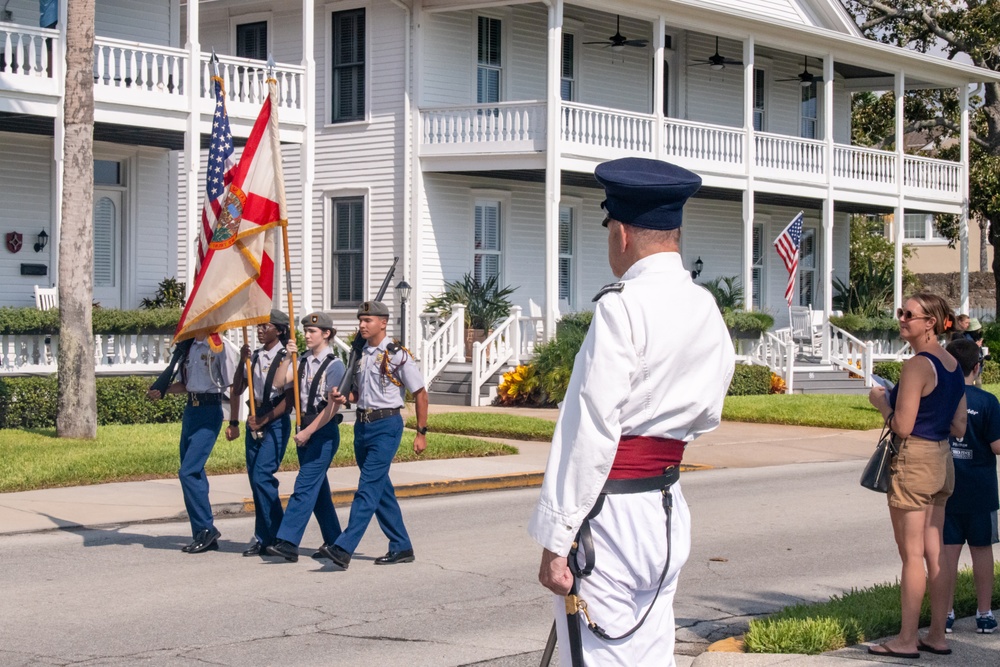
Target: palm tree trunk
(77, 409)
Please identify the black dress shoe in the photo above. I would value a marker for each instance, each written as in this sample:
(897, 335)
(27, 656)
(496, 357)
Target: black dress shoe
(318, 554)
(285, 550)
(205, 540)
(254, 549)
(339, 556)
(393, 557)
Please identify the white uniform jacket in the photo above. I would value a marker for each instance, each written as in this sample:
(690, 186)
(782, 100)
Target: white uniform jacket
(657, 361)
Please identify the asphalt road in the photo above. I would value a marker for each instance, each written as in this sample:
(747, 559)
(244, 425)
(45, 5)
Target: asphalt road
(763, 538)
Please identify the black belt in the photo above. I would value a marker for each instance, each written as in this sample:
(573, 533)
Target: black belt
(643, 484)
(196, 399)
(367, 416)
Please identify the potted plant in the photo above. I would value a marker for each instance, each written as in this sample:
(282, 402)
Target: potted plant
(486, 305)
(744, 325)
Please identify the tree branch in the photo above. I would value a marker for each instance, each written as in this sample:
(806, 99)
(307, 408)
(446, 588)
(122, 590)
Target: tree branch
(929, 123)
(925, 15)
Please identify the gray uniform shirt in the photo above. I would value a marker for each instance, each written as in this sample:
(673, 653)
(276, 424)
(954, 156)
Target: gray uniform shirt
(265, 358)
(376, 371)
(207, 372)
(331, 378)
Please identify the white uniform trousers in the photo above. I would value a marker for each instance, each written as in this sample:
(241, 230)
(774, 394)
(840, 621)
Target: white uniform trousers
(630, 545)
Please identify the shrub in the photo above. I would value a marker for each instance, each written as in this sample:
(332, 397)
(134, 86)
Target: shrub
(105, 321)
(866, 328)
(169, 294)
(554, 363)
(727, 292)
(750, 381)
(754, 322)
(486, 304)
(519, 386)
(991, 372)
(30, 402)
(778, 385)
(888, 369)
(580, 321)
(991, 335)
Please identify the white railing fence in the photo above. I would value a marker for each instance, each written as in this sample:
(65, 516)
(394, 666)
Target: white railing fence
(922, 173)
(890, 349)
(447, 343)
(701, 141)
(864, 165)
(245, 80)
(499, 348)
(27, 51)
(777, 354)
(850, 353)
(484, 123)
(138, 67)
(607, 128)
(37, 354)
(791, 154)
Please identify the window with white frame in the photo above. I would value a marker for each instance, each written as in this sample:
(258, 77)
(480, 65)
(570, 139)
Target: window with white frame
(489, 69)
(807, 267)
(566, 224)
(809, 111)
(348, 66)
(347, 233)
(759, 99)
(251, 40)
(567, 85)
(757, 267)
(921, 227)
(487, 255)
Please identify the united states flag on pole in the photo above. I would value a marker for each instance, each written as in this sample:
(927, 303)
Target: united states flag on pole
(787, 245)
(221, 160)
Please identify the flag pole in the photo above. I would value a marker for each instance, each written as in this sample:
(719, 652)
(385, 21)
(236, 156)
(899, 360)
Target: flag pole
(249, 372)
(279, 174)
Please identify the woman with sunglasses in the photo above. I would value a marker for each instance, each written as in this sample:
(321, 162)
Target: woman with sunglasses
(922, 410)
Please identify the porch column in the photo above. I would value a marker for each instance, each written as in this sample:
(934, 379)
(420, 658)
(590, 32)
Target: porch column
(416, 187)
(308, 151)
(408, 319)
(192, 141)
(897, 227)
(553, 177)
(749, 160)
(963, 222)
(828, 203)
(659, 30)
(58, 141)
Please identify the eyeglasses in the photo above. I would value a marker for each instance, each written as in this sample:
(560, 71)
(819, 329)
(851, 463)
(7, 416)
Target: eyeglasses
(908, 315)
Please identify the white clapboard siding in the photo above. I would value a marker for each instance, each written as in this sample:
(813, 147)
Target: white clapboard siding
(712, 96)
(216, 29)
(152, 232)
(146, 21)
(27, 171)
(785, 10)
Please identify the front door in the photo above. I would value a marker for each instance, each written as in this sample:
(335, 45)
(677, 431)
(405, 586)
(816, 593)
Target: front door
(108, 247)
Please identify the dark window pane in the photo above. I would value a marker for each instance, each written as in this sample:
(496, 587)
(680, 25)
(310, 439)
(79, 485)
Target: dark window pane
(348, 94)
(251, 40)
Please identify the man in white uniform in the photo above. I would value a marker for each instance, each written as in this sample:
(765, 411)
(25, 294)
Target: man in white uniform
(651, 376)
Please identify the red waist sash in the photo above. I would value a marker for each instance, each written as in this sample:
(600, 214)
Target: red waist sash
(640, 456)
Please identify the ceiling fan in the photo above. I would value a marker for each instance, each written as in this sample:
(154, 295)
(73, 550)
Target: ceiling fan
(716, 61)
(618, 41)
(805, 77)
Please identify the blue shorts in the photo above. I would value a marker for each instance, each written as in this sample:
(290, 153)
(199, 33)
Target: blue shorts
(979, 529)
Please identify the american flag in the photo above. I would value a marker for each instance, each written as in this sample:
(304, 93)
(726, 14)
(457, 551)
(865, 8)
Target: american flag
(221, 160)
(787, 245)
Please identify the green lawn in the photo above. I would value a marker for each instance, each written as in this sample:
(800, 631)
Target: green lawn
(492, 424)
(829, 410)
(36, 459)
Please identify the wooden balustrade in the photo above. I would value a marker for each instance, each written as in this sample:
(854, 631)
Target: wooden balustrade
(138, 69)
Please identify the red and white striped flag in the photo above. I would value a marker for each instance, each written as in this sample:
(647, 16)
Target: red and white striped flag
(236, 281)
(787, 245)
(221, 160)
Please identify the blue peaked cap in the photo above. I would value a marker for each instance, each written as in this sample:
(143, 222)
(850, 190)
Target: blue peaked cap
(646, 193)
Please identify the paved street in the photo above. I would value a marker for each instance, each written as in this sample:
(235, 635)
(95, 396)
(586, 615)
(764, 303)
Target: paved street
(764, 537)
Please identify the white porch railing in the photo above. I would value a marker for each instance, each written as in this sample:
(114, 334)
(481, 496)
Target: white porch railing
(607, 128)
(777, 354)
(25, 51)
(922, 174)
(789, 154)
(519, 125)
(245, 81)
(849, 353)
(499, 348)
(715, 144)
(531, 336)
(134, 70)
(895, 349)
(37, 354)
(447, 343)
(863, 167)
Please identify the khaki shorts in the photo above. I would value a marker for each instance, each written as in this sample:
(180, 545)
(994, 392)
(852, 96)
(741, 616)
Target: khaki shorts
(923, 474)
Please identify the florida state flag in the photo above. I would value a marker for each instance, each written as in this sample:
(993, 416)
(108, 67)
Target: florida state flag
(235, 283)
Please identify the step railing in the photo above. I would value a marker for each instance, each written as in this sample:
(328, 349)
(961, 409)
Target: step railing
(850, 353)
(499, 349)
(778, 355)
(447, 344)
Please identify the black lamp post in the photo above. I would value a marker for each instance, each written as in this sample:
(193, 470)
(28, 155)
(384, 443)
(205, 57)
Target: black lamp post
(403, 289)
(698, 266)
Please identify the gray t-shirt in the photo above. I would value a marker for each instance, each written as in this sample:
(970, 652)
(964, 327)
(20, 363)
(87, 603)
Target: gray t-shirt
(383, 378)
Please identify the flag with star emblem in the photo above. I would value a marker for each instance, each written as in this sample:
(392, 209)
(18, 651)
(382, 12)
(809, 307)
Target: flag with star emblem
(787, 245)
(236, 281)
(221, 160)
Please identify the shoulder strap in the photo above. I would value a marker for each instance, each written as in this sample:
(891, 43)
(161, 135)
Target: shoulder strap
(314, 387)
(269, 380)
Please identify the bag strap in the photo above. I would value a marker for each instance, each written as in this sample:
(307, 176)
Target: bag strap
(314, 387)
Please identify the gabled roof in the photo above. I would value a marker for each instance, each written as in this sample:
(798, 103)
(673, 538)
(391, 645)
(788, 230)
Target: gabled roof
(829, 14)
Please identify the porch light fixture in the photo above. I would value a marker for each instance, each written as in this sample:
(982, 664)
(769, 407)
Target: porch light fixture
(698, 266)
(617, 47)
(717, 66)
(43, 240)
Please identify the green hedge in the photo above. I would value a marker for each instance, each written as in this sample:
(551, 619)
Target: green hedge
(750, 381)
(747, 322)
(888, 369)
(105, 321)
(30, 402)
(866, 327)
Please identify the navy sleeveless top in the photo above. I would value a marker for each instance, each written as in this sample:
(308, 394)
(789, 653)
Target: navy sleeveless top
(938, 407)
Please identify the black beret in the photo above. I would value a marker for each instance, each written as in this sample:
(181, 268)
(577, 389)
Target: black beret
(646, 193)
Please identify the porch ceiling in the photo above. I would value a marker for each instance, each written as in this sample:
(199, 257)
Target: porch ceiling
(108, 132)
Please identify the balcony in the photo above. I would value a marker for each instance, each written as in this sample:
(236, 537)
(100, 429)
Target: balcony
(596, 134)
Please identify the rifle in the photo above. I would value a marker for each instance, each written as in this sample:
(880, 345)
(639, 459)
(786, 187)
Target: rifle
(358, 344)
(166, 377)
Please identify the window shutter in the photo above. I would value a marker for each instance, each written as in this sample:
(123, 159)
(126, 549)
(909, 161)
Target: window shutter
(251, 40)
(104, 242)
(758, 244)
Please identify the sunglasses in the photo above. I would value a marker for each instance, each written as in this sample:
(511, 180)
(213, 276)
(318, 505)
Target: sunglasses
(908, 315)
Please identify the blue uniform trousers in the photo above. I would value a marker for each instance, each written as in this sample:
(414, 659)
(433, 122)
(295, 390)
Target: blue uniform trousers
(264, 456)
(375, 445)
(199, 429)
(312, 489)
